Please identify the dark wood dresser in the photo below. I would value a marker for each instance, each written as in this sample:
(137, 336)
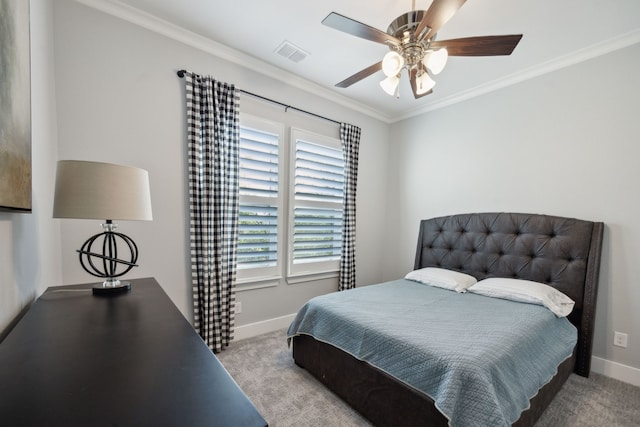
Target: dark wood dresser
(76, 359)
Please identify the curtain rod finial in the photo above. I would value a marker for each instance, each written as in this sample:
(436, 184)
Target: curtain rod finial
(181, 73)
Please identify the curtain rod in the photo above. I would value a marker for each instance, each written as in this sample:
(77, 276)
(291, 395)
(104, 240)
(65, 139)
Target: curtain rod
(264, 98)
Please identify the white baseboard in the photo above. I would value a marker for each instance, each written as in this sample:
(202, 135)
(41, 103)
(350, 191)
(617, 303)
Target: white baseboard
(616, 370)
(263, 327)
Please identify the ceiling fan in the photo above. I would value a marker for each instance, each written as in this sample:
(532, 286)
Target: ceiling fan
(411, 40)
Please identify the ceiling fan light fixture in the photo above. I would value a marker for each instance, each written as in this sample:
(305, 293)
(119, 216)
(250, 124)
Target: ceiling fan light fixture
(436, 60)
(424, 83)
(390, 84)
(392, 63)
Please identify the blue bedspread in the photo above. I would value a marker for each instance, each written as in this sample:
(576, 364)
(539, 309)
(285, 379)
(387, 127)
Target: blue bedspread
(479, 358)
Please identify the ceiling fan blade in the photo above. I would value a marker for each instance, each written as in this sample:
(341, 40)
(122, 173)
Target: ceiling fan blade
(360, 75)
(437, 15)
(358, 29)
(413, 73)
(479, 46)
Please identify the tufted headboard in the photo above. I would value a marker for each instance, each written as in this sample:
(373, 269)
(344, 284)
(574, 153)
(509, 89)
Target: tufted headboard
(561, 252)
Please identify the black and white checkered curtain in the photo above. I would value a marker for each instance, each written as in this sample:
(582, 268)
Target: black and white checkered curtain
(213, 141)
(350, 137)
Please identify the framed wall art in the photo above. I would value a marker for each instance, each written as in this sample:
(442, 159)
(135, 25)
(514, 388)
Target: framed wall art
(15, 107)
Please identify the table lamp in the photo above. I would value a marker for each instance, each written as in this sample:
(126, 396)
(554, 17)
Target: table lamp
(104, 191)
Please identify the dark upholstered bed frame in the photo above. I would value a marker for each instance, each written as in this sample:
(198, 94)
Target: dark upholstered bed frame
(562, 252)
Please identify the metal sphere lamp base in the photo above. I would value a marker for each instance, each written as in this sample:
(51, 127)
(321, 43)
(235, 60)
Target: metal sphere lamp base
(108, 262)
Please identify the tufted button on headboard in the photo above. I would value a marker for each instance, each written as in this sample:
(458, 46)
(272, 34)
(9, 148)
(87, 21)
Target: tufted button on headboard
(561, 252)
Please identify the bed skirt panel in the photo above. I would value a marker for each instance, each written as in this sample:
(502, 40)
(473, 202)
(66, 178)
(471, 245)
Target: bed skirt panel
(371, 391)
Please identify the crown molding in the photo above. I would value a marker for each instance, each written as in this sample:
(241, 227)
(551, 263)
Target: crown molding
(585, 54)
(152, 23)
(172, 31)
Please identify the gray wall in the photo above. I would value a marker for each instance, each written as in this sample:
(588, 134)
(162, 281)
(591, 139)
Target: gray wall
(30, 243)
(565, 143)
(120, 101)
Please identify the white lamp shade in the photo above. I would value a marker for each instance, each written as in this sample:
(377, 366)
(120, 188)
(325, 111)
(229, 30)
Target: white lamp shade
(390, 84)
(424, 83)
(436, 60)
(392, 63)
(93, 190)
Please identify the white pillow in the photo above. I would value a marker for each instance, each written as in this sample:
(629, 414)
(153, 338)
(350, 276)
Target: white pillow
(442, 278)
(525, 291)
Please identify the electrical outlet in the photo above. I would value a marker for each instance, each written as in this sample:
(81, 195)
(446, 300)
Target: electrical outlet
(238, 307)
(620, 339)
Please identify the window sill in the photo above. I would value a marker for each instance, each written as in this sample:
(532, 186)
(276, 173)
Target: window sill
(270, 282)
(251, 284)
(311, 277)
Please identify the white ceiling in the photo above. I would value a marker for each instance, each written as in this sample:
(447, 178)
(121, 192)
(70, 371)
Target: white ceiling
(556, 32)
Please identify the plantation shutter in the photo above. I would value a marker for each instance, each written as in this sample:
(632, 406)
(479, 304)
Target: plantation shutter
(258, 220)
(318, 197)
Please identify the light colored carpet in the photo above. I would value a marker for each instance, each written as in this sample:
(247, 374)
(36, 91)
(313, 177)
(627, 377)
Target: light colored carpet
(287, 395)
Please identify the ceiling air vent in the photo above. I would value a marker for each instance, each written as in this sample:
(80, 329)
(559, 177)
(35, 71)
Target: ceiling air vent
(291, 51)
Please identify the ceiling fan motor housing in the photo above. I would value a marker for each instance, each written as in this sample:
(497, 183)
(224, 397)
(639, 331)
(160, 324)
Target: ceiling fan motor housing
(407, 22)
(403, 28)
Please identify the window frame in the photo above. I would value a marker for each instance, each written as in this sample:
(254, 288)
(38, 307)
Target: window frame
(285, 271)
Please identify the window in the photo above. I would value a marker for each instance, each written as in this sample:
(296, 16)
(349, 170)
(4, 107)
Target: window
(260, 203)
(316, 203)
(300, 211)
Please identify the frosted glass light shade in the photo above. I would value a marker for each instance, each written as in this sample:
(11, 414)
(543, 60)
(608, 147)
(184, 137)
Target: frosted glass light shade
(424, 83)
(392, 63)
(93, 190)
(436, 60)
(390, 84)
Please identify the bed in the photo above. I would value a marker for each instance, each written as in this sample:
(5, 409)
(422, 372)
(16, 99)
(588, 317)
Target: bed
(563, 253)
